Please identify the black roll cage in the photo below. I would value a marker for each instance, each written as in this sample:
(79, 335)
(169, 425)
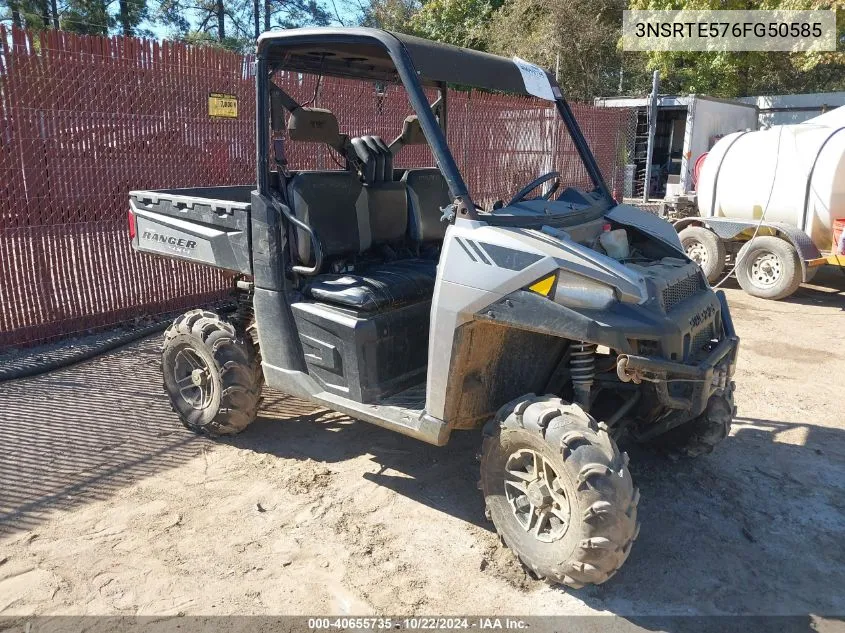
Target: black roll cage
(442, 64)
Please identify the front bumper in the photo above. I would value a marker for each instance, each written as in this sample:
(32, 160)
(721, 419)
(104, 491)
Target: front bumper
(710, 376)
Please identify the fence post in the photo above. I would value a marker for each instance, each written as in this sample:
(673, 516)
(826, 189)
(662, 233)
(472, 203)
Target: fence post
(652, 130)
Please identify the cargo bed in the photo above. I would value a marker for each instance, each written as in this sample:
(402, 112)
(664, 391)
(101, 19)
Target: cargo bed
(207, 225)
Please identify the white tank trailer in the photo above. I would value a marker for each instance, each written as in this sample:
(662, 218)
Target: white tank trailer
(772, 203)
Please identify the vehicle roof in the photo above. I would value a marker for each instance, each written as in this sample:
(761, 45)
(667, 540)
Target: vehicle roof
(366, 53)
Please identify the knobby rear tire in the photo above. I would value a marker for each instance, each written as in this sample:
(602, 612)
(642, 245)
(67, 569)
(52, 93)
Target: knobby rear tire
(234, 375)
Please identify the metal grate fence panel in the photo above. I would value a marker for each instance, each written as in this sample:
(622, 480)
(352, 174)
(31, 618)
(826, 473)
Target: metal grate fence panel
(85, 119)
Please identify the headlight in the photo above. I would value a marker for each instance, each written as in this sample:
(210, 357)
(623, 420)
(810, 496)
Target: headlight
(576, 291)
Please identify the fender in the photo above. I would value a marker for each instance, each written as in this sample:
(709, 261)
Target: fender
(730, 229)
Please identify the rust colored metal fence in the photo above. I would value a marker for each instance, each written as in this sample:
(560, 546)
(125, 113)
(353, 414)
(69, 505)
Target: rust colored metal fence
(85, 119)
(82, 121)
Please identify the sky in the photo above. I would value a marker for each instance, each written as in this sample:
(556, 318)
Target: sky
(347, 10)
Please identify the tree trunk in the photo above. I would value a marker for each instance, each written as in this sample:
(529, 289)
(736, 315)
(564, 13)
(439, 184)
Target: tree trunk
(744, 74)
(256, 8)
(16, 14)
(54, 11)
(125, 18)
(268, 10)
(221, 20)
(45, 13)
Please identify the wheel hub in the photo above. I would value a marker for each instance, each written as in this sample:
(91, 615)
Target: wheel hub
(538, 494)
(535, 493)
(199, 377)
(192, 378)
(697, 253)
(766, 270)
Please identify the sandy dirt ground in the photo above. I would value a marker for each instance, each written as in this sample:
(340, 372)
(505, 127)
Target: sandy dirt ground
(108, 506)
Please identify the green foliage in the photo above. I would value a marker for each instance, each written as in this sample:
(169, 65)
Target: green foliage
(34, 14)
(581, 34)
(393, 15)
(459, 22)
(291, 14)
(88, 17)
(201, 38)
(226, 23)
(230, 24)
(131, 13)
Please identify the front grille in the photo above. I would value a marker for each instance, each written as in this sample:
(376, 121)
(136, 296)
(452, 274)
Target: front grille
(680, 290)
(702, 338)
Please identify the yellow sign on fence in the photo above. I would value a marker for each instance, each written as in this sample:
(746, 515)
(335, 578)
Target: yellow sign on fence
(222, 105)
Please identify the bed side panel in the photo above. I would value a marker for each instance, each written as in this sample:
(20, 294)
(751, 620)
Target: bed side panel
(222, 244)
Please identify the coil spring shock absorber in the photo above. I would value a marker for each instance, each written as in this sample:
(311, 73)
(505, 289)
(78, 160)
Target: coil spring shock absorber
(582, 369)
(244, 317)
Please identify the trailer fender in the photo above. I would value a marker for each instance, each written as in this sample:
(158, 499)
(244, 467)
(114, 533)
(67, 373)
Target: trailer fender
(725, 229)
(731, 230)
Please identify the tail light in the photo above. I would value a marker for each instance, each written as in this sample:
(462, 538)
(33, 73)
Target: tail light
(131, 225)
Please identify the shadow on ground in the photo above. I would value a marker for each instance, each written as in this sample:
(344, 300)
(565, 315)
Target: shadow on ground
(444, 478)
(78, 435)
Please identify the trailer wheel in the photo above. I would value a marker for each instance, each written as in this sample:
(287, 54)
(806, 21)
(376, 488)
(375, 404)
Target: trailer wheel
(558, 491)
(705, 248)
(210, 374)
(768, 267)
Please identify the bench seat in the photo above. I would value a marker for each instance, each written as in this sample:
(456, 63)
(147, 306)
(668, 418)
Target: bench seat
(377, 287)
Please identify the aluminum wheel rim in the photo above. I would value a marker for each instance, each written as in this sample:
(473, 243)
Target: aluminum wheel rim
(697, 252)
(536, 495)
(766, 270)
(193, 379)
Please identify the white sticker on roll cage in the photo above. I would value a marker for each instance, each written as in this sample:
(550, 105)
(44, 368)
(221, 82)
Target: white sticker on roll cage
(535, 79)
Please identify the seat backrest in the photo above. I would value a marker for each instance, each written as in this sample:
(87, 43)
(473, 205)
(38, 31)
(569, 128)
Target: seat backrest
(386, 201)
(385, 158)
(328, 202)
(427, 194)
(387, 208)
(375, 158)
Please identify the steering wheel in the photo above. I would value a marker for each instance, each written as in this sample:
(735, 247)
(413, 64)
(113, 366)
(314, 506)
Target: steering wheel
(531, 186)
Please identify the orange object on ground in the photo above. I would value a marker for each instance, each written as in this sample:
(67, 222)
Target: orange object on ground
(838, 231)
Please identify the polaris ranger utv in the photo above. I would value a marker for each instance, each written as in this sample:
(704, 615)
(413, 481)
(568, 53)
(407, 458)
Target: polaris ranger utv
(560, 322)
